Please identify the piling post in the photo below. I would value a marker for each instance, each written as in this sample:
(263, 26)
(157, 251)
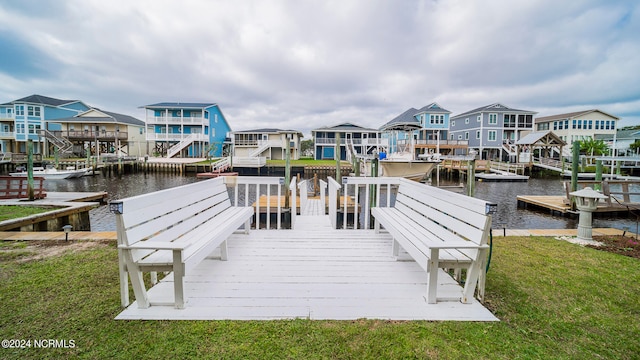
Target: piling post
(337, 156)
(30, 170)
(598, 186)
(471, 178)
(575, 160)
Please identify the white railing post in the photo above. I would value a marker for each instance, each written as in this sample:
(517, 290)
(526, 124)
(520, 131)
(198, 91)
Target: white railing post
(334, 188)
(323, 197)
(293, 200)
(303, 195)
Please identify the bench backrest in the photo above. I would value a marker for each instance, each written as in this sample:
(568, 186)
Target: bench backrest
(443, 213)
(168, 214)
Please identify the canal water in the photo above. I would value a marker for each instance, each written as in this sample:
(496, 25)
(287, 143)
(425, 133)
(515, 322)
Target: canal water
(503, 193)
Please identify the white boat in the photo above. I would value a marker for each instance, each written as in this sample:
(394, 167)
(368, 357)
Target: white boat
(403, 164)
(51, 173)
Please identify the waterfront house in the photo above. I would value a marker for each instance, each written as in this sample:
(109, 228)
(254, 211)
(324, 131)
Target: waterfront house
(623, 139)
(579, 125)
(268, 143)
(106, 131)
(187, 129)
(353, 139)
(429, 127)
(23, 119)
(492, 130)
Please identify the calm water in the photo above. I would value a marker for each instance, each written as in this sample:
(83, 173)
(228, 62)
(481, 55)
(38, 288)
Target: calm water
(504, 194)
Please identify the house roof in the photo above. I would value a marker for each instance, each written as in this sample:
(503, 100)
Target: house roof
(434, 108)
(497, 107)
(571, 115)
(547, 138)
(405, 121)
(179, 105)
(109, 117)
(344, 127)
(267, 130)
(44, 100)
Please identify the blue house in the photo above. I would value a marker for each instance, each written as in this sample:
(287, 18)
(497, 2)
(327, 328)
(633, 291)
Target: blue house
(187, 129)
(492, 130)
(23, 119)
(428, 125)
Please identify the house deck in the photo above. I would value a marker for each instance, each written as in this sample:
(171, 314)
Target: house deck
(311, 271)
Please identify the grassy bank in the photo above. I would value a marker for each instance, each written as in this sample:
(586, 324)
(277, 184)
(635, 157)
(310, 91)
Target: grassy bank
(554, 299)
(8, 212)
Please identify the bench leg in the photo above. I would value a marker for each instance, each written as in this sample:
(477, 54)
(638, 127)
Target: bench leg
(433, 276)
(154, 277)
(178, 279)
(395, 248)
(247, 226)
(124, 280)
(473, 275)
(223, 250)
(137, 281)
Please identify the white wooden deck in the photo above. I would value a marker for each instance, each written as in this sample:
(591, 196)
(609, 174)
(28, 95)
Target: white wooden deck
(312, 271)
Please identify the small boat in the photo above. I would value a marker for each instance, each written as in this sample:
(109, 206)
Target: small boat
(403, 164)
(51, 173)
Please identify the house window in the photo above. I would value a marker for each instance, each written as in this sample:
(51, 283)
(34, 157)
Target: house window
(20, 128)
(20, 110)
(492, 135)
(478, 134)
(451, 136)
(436, 119)
(453, 123)
(466, 121)
(545, 126)
(493, 119)
(466, 135)
(590, 124)
(141, 131)
(459, 137)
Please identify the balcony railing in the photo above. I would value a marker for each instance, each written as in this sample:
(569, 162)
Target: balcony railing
(90, 135)
(436, 142)
(177, 120)
(176, 137)
(7, 134)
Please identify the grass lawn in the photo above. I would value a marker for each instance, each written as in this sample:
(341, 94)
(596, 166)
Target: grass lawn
(554, 299)
(8, 212)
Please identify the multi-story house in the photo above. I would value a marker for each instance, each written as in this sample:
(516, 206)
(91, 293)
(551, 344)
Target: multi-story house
(579, 125)
(268, 143)
(100, 132)
(23, 119)
(429, 127)
(187, 129)
(492, 130)
(353, 139)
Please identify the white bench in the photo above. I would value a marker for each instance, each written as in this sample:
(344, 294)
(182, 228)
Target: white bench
(439, 229)
(173, 230)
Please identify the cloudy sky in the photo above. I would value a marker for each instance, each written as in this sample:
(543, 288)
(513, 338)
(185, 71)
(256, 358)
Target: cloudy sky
(307, 64)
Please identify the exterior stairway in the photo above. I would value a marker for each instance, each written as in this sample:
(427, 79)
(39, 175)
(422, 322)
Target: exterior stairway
(65, 147)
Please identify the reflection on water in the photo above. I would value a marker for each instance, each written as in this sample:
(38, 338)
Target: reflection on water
(504, 194)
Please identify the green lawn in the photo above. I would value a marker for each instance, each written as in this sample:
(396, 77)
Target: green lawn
(8, 212)
(554, 299)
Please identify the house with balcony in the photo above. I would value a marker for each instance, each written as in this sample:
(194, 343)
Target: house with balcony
(99, 132)
(268, 143)
(354, 140)
(492, 130)
(427, 129)
(579, 125)
(187, 129)
(23, 119)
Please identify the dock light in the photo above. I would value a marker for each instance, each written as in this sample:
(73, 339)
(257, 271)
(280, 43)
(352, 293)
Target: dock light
(490, 208)
(116, 207)
(624, 230)
(587, 202)
(67, 229)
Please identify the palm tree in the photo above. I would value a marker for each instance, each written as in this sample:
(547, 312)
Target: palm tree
(593, 147)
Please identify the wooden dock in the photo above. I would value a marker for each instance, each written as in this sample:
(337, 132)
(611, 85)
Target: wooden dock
(311, 272)
(559, 204)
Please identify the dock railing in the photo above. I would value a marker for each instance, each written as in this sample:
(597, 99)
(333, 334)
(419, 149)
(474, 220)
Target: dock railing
(266, 194)
(605, 186)
(359, 194)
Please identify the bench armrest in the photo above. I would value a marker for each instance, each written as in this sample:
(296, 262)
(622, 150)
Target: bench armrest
(458, 246)
(154, 245)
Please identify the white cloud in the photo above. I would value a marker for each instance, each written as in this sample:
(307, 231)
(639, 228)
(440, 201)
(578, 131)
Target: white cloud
(306, 64)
